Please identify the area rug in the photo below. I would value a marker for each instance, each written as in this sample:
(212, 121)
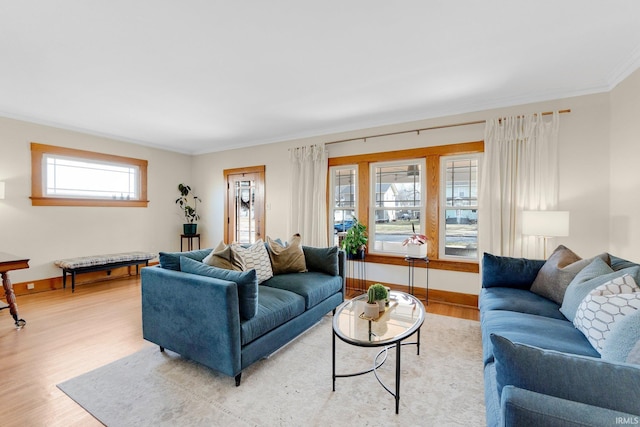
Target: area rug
(440, 387)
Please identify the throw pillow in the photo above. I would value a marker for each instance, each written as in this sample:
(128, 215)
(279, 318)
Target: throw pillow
(222, 257)
(605, 305)
(623, 342)
(558, 271)
(567, 376)
(287, 258)
(171, 260)
(509, 272)
(324, 260)
(254, 256)
(577, 290)
(247, 282)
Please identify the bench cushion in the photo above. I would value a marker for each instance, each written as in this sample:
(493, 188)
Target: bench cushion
(93, 260)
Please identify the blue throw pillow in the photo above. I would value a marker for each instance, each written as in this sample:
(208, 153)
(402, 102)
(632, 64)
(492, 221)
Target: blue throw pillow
(171, 260)
(247, 282)
(567, 376)
(509, 272)
(324, 260)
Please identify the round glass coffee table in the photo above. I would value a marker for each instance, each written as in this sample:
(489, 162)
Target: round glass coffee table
(403, 317)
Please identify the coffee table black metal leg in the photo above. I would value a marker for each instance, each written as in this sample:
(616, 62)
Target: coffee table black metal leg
(333, 358)
(398, 345)
(418, 342)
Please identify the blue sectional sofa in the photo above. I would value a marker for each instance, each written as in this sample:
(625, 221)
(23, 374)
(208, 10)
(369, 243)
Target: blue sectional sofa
(227, 322)
(539, 369)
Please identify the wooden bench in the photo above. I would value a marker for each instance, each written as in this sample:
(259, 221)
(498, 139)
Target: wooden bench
(108, 262)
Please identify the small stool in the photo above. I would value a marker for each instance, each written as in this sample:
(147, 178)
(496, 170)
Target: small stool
(189, 238)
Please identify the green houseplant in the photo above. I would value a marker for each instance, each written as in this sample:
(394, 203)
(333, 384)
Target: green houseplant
(371, 307)
(355, 241)
(380, 295)
(185, 202)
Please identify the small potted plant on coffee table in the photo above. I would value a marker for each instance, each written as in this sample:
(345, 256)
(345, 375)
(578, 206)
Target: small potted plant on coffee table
(371, 307)
(381, 295)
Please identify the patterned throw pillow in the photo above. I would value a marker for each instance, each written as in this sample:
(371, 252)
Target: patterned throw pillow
(606, 304)
(287, 258)
(255, 256)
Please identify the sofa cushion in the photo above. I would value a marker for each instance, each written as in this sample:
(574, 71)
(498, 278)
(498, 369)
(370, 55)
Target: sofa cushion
(255, 256)
(313, 286)
(623, 342)
(582, 379)
(559, 270)
(539, 331)
(519, 300)
(247, 282)
(604, 306)
(509, 272)
(222, 257)
(286, 258)
(618, 263)
(275, 307)
(324, 260)
(171, 260)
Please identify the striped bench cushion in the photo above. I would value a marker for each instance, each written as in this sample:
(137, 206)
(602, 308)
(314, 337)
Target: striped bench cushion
(89, 261)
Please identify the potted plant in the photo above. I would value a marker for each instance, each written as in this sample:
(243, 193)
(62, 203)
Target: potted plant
(371, 307)
(380, 294)
(416, 244)
(185, 202)
(355, 241)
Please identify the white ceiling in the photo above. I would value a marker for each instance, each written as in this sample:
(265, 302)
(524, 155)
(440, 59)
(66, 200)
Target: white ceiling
(199, 76)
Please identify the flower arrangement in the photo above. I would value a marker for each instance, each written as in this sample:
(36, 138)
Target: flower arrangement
(416, 239)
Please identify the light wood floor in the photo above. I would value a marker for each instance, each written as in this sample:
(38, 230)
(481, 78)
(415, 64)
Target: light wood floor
(69, 334)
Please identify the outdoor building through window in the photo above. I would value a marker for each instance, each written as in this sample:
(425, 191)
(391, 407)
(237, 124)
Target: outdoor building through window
(64, 176)
(344, 185)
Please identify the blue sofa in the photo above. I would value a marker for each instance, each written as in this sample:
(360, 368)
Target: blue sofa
(223, 323)
(540, 370)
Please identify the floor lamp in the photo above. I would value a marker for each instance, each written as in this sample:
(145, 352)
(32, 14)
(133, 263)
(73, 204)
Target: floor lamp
(545, 224)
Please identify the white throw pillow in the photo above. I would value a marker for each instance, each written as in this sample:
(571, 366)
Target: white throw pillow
(606, 304)
(255, 256)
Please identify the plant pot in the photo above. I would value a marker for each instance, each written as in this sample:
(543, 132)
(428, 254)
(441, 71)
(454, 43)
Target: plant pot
(189, 229)
(359, 255)
(416, 251)
(371, 311)
(381, 305)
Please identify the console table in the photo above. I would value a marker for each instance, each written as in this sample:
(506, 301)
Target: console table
(10, 262)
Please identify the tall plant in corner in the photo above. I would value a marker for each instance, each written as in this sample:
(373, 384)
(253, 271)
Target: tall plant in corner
(188, 204)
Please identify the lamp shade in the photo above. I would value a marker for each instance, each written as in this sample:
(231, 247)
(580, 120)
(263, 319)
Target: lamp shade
(545, 223)
(1, 190)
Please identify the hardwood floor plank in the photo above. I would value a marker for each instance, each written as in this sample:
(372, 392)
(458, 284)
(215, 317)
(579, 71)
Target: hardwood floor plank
(68, 334)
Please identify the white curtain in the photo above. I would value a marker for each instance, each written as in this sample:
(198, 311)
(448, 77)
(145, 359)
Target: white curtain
(520, 172)
(309, 167)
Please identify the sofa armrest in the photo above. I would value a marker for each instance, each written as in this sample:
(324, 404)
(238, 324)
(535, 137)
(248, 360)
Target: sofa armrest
(509, 272)
(522, 407)
(195, 316)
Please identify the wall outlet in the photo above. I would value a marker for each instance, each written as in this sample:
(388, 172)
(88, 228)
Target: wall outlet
(30, 286)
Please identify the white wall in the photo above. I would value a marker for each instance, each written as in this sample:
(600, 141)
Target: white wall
(584, 177)
(624, 166)
(47, 233)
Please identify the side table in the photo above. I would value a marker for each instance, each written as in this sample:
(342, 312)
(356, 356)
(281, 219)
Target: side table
(10, 262)
(189, 238)
(412, 264)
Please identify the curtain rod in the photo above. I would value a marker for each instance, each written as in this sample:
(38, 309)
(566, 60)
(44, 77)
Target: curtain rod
(476, 122)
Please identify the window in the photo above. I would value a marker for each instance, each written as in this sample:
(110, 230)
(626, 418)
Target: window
(245, 205)
(460, 199)
(398, 204)
(433, 190)
(69, 177)
(343, 182)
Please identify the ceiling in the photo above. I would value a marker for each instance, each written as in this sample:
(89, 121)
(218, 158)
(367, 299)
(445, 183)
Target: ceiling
(198, 76)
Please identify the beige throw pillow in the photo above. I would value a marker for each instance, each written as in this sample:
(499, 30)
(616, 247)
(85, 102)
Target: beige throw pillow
(254, 256)
(559, 270)
(222, 257)
(288, 258)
